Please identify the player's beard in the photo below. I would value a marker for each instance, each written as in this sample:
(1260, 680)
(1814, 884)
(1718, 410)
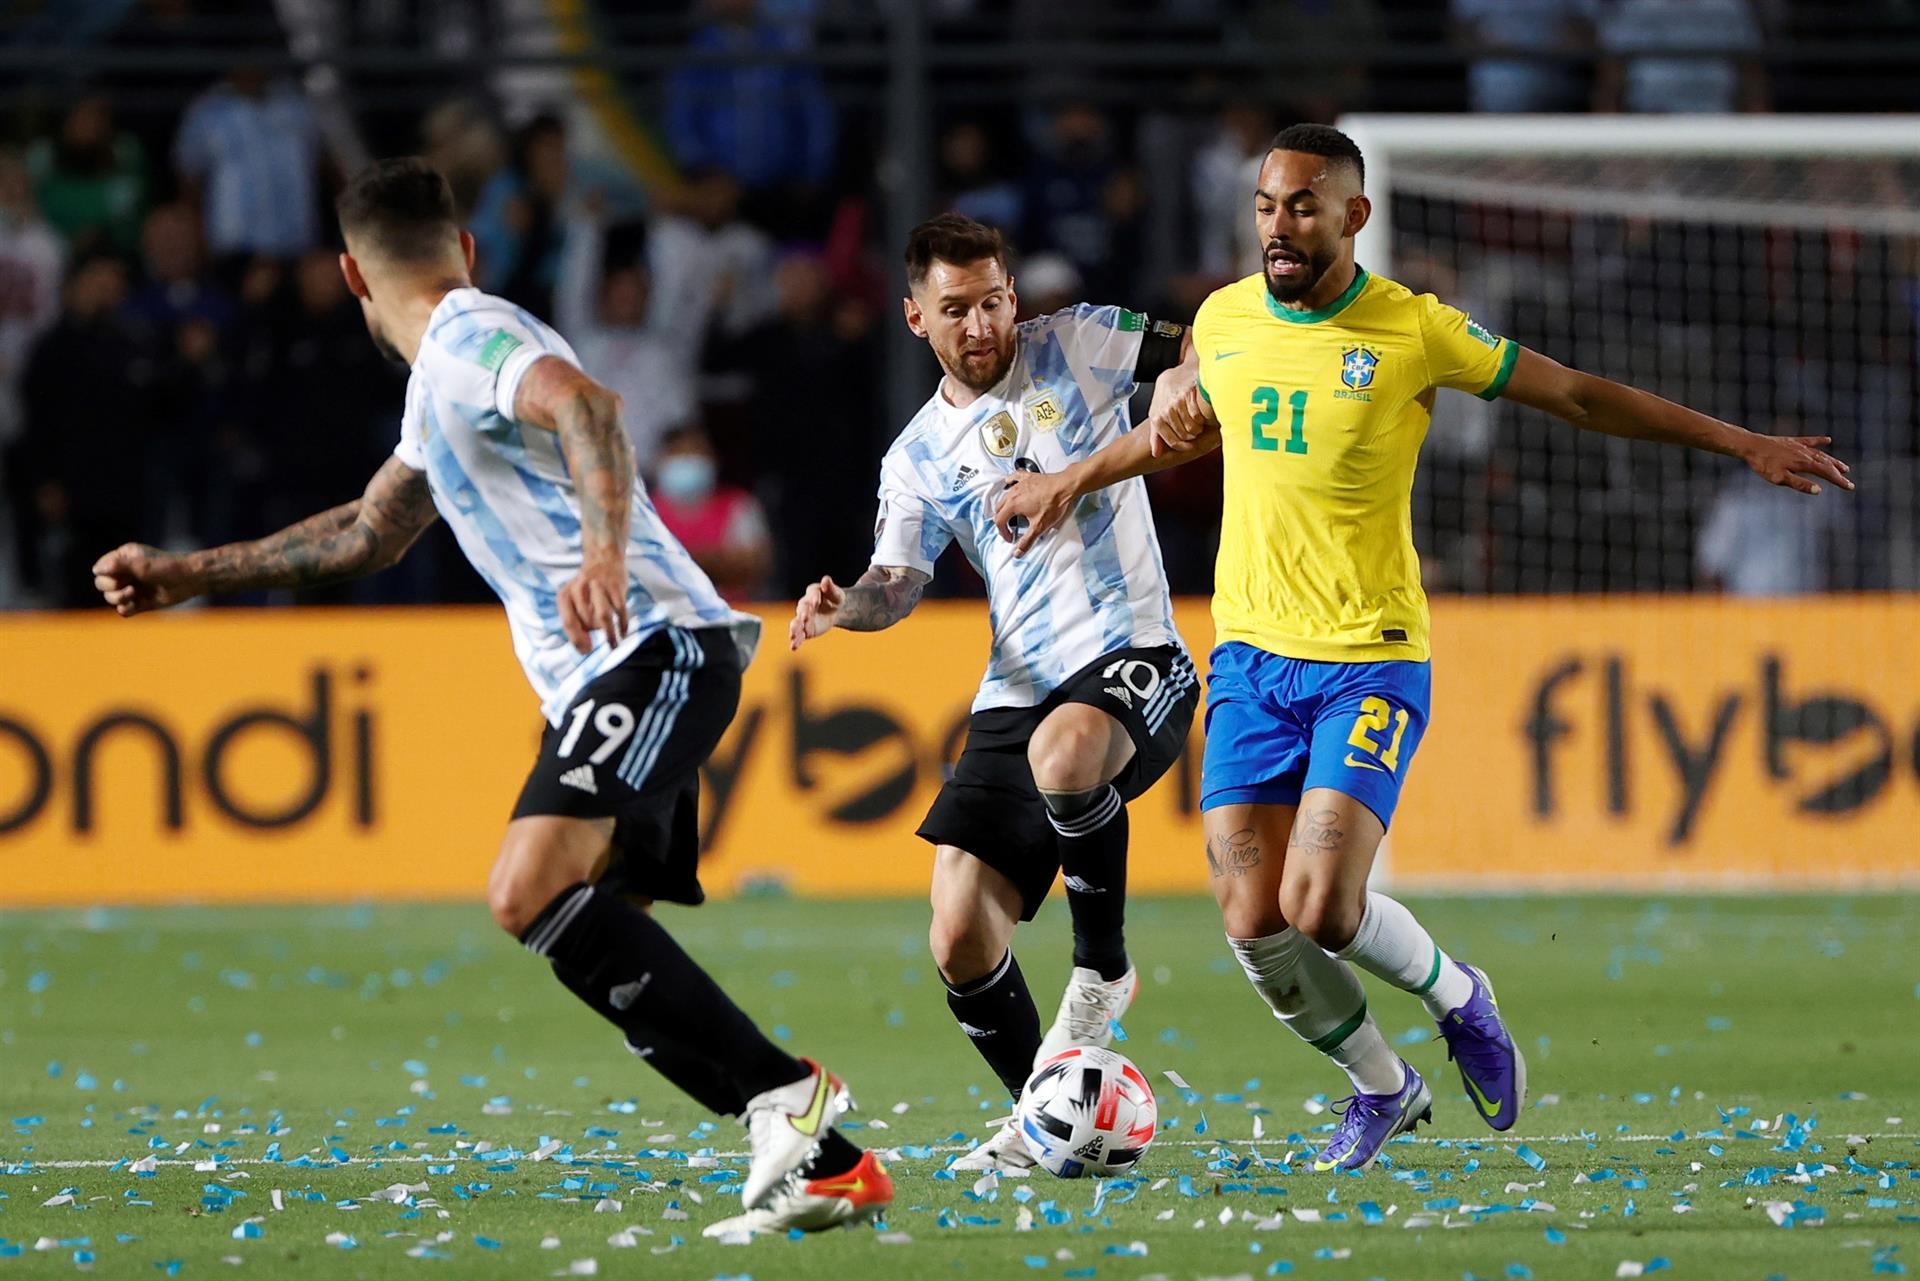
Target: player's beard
(981, 375)
(1318, 264)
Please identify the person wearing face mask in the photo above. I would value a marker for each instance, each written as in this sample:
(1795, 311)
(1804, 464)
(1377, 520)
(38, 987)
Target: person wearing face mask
(721, 526)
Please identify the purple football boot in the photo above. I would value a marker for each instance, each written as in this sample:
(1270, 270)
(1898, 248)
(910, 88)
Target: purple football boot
(1490, 1064)
(1369, 1120)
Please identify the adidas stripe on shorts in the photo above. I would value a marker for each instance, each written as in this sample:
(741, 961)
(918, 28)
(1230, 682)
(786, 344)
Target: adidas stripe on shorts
(630, 747)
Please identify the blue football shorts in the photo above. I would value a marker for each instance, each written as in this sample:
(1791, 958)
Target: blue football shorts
(1279, 727)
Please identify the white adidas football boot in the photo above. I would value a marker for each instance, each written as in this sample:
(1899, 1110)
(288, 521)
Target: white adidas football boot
(1004, 1153)
(1088, 1010)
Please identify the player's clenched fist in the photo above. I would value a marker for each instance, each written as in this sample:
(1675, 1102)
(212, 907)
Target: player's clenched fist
(814, 615)
(1183, 422)
(135, 578)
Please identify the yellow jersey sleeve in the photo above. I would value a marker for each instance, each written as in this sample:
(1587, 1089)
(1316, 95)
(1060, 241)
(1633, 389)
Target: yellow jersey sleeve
(1462, 353)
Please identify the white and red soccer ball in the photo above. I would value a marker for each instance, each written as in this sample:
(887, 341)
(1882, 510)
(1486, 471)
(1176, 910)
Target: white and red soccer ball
(1087, 1113)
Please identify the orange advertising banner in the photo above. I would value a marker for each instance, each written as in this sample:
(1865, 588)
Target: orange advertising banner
(328, 754)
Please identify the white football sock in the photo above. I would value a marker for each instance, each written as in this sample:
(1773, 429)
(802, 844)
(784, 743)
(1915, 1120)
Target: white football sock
(1320, 999)
(1393, 946)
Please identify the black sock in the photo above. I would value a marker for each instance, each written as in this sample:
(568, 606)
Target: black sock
(836, 1156)
(997, 1013)
(600, 943)
(700, 1078)
(712, 1087)
(1093, 854)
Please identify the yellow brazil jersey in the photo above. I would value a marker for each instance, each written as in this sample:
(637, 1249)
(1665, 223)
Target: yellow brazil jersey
(1322, 414)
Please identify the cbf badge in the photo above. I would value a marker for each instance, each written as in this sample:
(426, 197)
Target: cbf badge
(1356, 367)
(999, 434)
(1044, 410)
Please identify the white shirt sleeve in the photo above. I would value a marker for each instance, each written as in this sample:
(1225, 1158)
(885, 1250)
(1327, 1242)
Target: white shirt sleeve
(1103, 347)
(910, 530)
(483, 362)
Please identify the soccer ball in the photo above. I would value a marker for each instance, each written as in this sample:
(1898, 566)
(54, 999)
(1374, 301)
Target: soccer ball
(1087, 1112)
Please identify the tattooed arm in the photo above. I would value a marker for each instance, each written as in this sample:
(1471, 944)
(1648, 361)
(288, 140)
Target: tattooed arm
(348, 541)
(586, 416)
(884, 595)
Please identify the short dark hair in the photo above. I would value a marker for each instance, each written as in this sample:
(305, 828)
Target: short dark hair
(1321, 140)
(954, 238)
(402, 208)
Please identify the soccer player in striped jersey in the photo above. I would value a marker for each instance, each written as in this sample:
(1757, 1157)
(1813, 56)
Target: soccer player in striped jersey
(1316, 381)
(1088, 693)
(634, 656)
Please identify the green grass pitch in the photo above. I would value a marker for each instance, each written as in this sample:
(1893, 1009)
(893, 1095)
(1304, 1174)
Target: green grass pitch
(284, 1068)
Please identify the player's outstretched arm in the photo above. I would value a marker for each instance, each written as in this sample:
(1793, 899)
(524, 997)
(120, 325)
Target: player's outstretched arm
(586, 416)
(1615, 409)
(1042, 501)
(348, 541)
(883, 596)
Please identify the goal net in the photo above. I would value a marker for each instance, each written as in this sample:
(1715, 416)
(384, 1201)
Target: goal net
(1736, 697)
(1763, 270)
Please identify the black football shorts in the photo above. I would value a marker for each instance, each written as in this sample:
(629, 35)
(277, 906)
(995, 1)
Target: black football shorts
(630, 747)
(990, 807)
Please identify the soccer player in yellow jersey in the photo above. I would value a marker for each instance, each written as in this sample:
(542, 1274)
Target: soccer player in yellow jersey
(1316, 381)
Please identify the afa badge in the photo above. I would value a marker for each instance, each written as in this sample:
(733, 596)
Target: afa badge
(998, 434)
(1044, 410)
(1356, 367)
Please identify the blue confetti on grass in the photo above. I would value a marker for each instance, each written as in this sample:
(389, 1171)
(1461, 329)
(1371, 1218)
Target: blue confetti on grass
(1531, 1157)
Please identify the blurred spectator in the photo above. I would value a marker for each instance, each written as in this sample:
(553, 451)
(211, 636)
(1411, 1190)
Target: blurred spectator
(601, 308)
(519, 225)
(248, 155)
(1344, 37)
(81, 483)
(1646, 69)
(708, 268)
(460, 139)
(1083, 202)
(90, 181)
(1046, 283)
(321, 409)
(969, 181)
(1765, 540)
(1224, 174)
(769, 124)
(815, 423)
(178, 288)
(721, 526)
(161, 41)
(31, 260)
(1518, 50)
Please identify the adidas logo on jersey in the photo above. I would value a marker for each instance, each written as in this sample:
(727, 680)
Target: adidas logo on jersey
(581, 777)
(1122, 693)
(961, 477)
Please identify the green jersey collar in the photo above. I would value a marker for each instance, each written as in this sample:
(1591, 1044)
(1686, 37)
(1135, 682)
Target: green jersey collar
(1327, 312)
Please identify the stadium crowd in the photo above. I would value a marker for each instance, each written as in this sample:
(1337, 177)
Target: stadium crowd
(180, 359)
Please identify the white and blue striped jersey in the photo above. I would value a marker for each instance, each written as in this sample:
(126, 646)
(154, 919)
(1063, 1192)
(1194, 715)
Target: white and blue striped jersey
(1093, 585)
(503, 488)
